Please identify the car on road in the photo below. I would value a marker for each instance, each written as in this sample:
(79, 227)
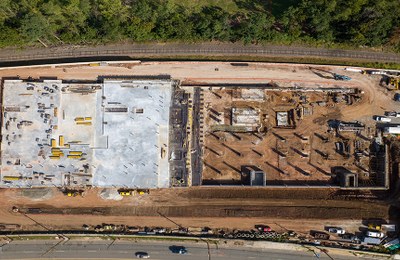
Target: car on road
(373, 233)
(182, 251)
(383, 119)
(336, 230)
(142, 255)
(178, 250)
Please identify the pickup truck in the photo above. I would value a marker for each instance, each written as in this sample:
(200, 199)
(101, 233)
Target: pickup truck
(383, 119)
(336, 230)
(373, 233)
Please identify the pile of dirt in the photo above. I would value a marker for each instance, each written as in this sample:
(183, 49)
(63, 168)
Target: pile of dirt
(37, 194)
(110, 194)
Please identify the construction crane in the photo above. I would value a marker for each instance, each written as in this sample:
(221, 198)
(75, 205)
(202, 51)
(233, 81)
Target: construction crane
(340, 77)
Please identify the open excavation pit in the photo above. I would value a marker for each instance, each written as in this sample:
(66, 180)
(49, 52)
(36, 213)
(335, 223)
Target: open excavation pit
(271, 135)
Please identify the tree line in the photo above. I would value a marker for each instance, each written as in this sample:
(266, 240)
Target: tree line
(371, 23)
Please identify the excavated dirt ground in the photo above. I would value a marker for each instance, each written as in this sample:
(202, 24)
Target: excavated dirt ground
(213, 207)
(302, 145)
(196, 207)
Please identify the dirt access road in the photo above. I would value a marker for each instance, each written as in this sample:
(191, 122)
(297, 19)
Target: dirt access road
(195, 207)
(214, 207)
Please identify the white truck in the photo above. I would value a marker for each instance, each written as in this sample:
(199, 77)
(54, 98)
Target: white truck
(383, 119)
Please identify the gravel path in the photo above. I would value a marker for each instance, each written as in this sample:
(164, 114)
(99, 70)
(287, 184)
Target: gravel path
(205, 49)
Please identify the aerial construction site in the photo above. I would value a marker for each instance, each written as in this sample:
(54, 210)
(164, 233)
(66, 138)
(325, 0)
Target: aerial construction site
(240, 140)
(152, 131)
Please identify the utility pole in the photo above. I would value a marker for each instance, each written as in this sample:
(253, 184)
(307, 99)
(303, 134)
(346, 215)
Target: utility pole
(182, 227)
(64, 238)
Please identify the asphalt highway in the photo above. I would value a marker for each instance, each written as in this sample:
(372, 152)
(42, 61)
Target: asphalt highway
(44, 249)
(173, 49)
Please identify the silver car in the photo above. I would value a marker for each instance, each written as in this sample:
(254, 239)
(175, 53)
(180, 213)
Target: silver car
(142, 255)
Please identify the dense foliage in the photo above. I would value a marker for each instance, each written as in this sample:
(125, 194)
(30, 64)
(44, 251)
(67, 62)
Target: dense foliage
(351, 22)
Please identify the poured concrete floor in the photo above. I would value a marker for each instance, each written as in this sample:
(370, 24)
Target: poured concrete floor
(125, 148)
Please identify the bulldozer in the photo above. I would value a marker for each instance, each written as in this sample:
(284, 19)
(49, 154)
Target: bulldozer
(395, 82)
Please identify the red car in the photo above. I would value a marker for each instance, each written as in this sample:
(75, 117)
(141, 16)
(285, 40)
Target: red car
(263, 228)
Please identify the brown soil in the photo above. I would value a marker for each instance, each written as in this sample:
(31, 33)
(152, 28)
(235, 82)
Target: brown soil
(298, 209)
(196, 207)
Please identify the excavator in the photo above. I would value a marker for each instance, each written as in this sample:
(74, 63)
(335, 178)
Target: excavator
(340, 77)
(335, 76)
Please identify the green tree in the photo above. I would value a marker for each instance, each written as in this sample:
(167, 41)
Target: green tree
(175, 23)
(211, 23)
(111, 15)
(76, 14)
(142, 20)
(7, 10)
(255, 27)
(34, 26)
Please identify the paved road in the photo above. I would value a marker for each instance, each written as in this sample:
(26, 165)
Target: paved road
(156, 250)
(206, 49)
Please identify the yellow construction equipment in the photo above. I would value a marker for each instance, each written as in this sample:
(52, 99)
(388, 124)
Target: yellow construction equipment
(75, 153)
(88, 118)
(74, 156)
(73, 193)
(84, 123)
(61, 140)
(11, 178)
(55, 111)
(79, 119)
(395, 82)
(142, 191)
(53, 143)
(125, 193)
